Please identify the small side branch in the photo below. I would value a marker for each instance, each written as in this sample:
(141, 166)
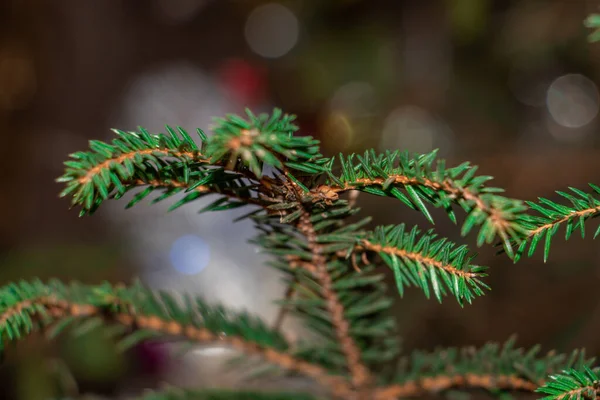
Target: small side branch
(130, 156)
(434, 384)
(60, 308)
(454, 191)
(360, 374)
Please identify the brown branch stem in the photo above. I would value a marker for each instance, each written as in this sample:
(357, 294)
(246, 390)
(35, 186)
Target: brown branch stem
(447, 186)
(130, 155)
(283, 310)
(435, 384)
(360, 374)
(566, 218)
(60, 308)
(418, 257)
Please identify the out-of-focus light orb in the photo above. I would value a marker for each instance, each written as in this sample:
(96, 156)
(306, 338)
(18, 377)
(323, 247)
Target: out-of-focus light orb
(176, 94)
(189, 254)
(272, 30)
(573, 100)
(357, 99)
(415, 130)
(338, 131)
(567, 134)
(348, 108)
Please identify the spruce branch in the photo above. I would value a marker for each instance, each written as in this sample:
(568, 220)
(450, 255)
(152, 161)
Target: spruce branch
(263, 139)
(317, 266)
(492, 367)
(360, 374)
(426, 182)
(27, 306)
(593, 22)
(329, 263)
(91, 176)
(364, 320)
(573, 385)
(426, 261)
(543, 226)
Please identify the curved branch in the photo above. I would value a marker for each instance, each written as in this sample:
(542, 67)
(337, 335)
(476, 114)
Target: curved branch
(587, 213)
(194, 156)
(113, 310)
(500, 221)
(425, 261)
(456, 192)
(492, 367)
(427, 182)
(551, 216)
(419, 258)
(433, 384)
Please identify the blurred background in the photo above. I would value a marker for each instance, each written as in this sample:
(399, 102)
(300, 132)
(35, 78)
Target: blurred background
(511, 86)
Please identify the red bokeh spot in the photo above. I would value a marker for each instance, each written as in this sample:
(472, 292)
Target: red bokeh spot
(243, 81)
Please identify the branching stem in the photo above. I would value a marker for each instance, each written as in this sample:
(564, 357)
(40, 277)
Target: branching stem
(422, 386)
(416, 256)
(196, 156)
(448, 186)
(59, 308)
(318, 266)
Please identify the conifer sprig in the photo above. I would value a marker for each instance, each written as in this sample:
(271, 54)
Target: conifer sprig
(551, 216)
(361, 294)
(423, 180)
(329, 263)
(263, 139)
(92, 176)
(492, 367)
(424, 261)
(27, 306)
(572, 384)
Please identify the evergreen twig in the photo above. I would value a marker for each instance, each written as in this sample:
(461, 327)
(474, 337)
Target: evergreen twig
(331, 263)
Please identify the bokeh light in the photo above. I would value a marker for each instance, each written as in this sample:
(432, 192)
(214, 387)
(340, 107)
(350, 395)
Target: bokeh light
(178, 93)
(348, 115)
(272, 30)
(189, 254)
(243, 82)
(572, 100)
(358, 99)
(338, 131)
(413, 129)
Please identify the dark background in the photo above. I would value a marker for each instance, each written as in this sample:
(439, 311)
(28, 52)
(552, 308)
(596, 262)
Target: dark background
(509, 85)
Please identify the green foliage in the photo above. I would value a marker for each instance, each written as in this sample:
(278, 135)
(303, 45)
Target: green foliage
(518, 367)
(593, 22)
(362, 294)
(551, 216)
(263, 139)
(329, 259)
(427, 180)
(573, 385)
(91, 176)
(27, 306)
(427, 261)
